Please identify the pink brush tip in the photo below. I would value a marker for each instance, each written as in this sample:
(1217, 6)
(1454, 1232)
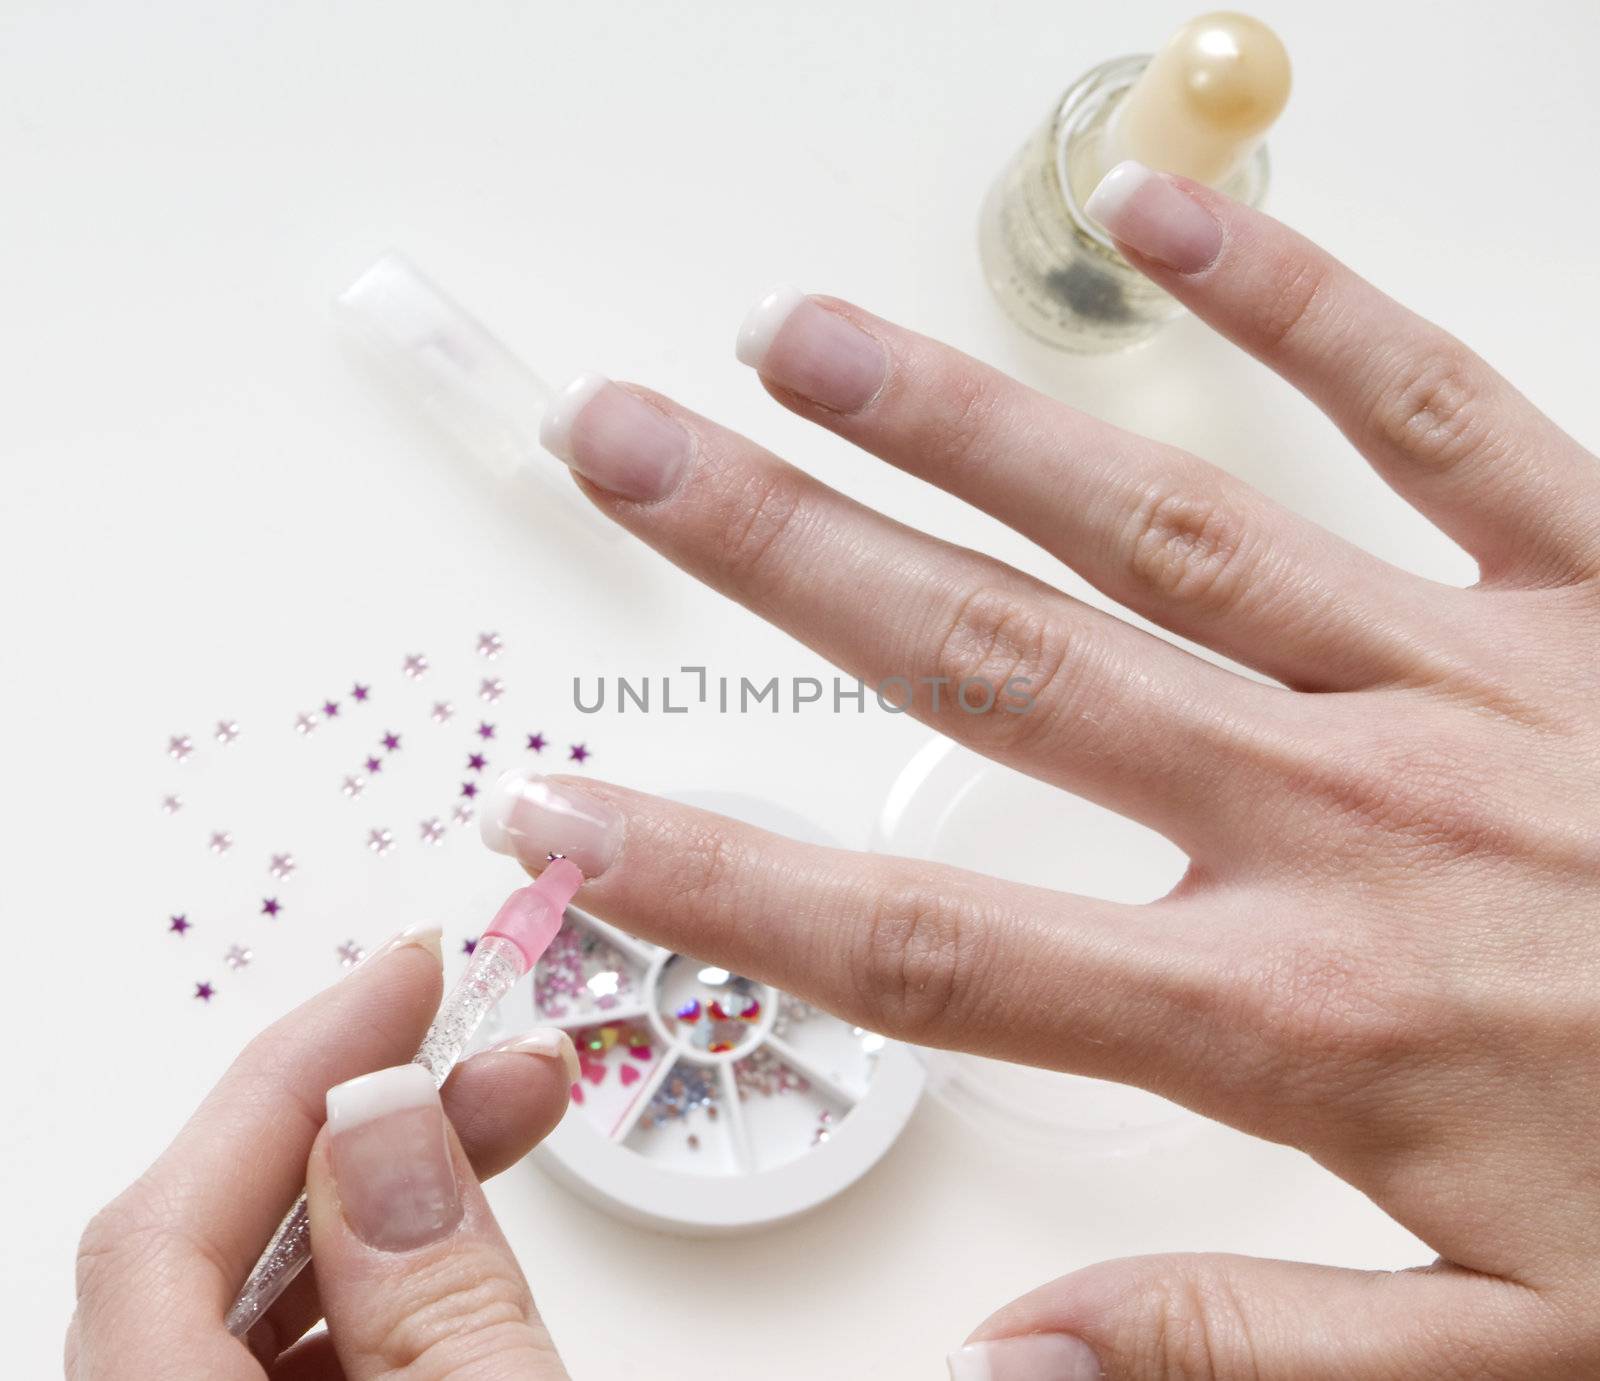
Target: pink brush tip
(531, 915)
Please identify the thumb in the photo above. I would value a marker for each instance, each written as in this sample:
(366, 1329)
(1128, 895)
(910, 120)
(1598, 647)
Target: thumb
(414, 1275)
(1219, 1318)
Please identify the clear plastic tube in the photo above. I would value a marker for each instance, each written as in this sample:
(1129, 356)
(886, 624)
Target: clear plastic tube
(496, 965)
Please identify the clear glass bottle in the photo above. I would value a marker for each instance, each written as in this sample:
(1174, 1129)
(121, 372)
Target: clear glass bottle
(1052, 268)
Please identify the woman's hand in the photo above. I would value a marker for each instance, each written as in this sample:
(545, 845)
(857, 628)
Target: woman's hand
(408, 1266)
(1387, 948)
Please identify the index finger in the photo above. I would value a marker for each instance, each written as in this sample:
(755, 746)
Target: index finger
(172, 1250)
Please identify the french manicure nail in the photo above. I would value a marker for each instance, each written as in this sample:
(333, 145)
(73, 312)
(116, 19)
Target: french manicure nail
(426, 937)
(531, 818)
(546, 1042)
(1030, 1357)
(391, 1159)
(1153, 215)
(796, 344)
(615, 439)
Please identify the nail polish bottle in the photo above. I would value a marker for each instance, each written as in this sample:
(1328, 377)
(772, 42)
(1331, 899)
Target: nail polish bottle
(1200, 107)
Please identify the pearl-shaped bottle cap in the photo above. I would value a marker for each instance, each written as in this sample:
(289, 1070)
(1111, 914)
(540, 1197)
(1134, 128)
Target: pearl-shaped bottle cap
(1206, 100)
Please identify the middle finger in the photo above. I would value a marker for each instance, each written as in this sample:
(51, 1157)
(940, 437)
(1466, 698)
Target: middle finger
(989, 655)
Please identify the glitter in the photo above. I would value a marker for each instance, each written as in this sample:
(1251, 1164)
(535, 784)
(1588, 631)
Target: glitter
(270, 906)
(462, 814)
(491, 688)
(390, 741)
(443, 711)
(380, 841)
(171, 805)
(281, 866)
(431, 830)
(238, 957)
(305, 722)
(353, 786)
(179, 746)
(563, 979)
(226, 731)
(687, 1088)
(762, 1072)
(204, 991)
(578, 753)
(358, 692)
(490, 645)
(415, 666)
(221, 841)
(178, 924)
(350, 954)
(536, 743)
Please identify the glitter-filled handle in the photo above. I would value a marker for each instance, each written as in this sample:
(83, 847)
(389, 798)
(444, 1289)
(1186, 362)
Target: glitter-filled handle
(496, 965)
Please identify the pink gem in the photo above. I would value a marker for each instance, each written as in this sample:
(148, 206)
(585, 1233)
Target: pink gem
(628, 1074)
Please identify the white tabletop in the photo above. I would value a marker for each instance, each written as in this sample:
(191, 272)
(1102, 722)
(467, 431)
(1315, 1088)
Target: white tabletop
(213, 514)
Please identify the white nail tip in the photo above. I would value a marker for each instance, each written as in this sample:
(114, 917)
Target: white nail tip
(971, 1363)
(494, 811)
(1115, 190)
(555, 428)
(763, 322)
(359, 1101)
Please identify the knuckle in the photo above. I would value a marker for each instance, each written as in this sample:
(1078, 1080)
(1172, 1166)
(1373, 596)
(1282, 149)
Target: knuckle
(913, 959)
(1000, 639)
(1190, 1323)
(1295, 288)
(1430, 412)
(459, 1315)
(1188, 549)
(759, 519)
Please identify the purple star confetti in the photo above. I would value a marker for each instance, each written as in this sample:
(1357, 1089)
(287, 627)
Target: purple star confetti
(579, 753)
(330, 709)
(380, 841)
(305, 722)
(443, 711)
(390, 741)
(270, 906)
(204, 991)
(179, 925)
(431, 830)
(238, 957)
(359, 693)
(171, 805)
(536, 743)
(491, 688)
(374, 764)
(221, 841)
(462, 814)
(415, 666)
(350, 954)
(353, 786)
(476, 762)
(469, 789)
(490, 645)
(469, 944)
(179, 746)
(226, 731)
(485, 731)
(281, 866)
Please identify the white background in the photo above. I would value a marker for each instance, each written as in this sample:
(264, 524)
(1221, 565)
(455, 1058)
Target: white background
(208, 511)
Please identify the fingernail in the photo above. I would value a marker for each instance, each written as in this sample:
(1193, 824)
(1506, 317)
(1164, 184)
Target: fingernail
(615, 439)
(1032, 1357)
(792, 342)
(1156, 217)
(547, 1042)
(425, 937)
(391, 1159)
(531, 818)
